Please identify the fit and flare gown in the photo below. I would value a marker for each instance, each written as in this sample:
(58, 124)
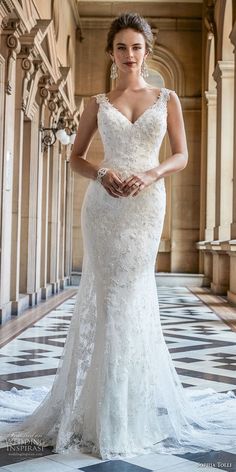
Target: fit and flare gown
(116, 392)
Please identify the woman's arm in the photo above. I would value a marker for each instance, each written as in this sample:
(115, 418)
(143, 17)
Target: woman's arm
(177, 136)
(175, 163)
(87, 128)
(85, 133)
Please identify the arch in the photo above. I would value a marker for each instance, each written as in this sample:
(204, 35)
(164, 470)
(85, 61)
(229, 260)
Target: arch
(170, 68)
(155, 78)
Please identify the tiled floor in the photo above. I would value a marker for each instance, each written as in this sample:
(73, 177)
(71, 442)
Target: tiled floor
(204, 353)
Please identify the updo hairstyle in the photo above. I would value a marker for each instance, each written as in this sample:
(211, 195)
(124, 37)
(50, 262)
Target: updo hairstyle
(130, 20)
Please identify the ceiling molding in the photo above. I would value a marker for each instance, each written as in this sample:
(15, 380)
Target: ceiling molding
(167, 24)
(148, 8)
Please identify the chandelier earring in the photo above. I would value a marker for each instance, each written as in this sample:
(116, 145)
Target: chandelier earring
(144, 69)
(114, 71)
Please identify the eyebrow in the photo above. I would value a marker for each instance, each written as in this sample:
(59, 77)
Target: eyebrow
(123, 44)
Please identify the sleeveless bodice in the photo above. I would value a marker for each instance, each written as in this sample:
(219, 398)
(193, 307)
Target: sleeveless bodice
(132, 146)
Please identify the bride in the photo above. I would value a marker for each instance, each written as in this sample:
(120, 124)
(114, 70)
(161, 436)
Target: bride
(116, 392)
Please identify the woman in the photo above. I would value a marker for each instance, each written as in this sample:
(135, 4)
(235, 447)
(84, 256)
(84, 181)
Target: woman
(116, 392)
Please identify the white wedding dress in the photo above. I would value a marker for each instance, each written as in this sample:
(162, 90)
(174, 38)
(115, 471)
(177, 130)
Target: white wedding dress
(116, 392)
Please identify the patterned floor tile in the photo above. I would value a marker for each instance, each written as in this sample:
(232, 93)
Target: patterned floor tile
(202, 347)
(203, 350)
(38, 465)
(157, 461)
(114, 466)
(75, 459)
(224, 460)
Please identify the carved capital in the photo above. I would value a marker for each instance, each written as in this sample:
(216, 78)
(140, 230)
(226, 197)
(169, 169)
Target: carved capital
(13, 25)
(13, 43)
(60, 102)
(52, 106)
(12, 47)
(27, 65)
(44, 92)
(27, 49)
(37, 63)
(43, 87)
(54, 101)
(45, 81)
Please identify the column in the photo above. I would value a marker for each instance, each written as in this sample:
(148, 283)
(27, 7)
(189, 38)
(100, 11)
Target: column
(31, 193)
(211, 165)
(232, 243)
(69, 219)
(224, 76)
(10, 48)
(63, 219)
(54, 216)
(46, 287)
(24, 68)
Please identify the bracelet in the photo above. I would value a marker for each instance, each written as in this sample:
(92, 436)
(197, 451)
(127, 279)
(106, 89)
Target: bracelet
(101, 172)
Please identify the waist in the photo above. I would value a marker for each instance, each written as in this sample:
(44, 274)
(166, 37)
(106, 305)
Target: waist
(129, 166)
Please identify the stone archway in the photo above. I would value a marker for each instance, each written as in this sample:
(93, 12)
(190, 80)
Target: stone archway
(170, 68)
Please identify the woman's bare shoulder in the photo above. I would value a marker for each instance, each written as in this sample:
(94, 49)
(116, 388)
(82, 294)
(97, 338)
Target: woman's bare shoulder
(174, 106)
(90, 110)
(173, 97)
(91, 106)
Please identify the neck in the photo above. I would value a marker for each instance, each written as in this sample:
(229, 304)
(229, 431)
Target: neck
(130, 81)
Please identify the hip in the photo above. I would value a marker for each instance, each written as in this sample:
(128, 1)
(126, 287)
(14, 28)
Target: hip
(150, 202)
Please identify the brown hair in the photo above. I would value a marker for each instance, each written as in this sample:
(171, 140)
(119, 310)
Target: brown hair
(130, 20)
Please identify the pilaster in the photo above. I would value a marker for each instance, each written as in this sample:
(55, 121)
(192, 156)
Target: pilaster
(211, 99)
(224, 76)
(10, 47)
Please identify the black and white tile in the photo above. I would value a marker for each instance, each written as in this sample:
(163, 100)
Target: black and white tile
(203, 350)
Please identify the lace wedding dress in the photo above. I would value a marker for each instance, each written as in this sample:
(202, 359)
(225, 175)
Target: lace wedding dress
(116, 392)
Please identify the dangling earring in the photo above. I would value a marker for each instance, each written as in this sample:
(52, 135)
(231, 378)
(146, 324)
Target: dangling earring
(114, 71)
(144, 69)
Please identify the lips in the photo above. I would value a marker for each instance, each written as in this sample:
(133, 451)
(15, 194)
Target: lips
(129, 63)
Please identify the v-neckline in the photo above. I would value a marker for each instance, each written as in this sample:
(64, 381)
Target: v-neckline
(132, 123)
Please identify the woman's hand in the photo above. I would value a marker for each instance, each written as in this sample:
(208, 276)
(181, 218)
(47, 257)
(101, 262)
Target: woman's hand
(137, 182)
(112, 183)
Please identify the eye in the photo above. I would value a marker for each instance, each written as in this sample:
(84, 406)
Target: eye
(121, 47)
(137, 47)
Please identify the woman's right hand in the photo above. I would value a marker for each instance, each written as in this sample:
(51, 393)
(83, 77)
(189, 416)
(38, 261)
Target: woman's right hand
(112, 183)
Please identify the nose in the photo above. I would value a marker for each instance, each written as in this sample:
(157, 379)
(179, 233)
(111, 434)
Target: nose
(129, 53)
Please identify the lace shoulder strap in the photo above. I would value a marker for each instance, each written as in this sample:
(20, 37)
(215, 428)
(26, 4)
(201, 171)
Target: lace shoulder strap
(166, 94)
(100, 98)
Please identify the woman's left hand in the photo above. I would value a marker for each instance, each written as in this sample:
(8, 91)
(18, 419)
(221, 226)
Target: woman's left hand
(137, 182)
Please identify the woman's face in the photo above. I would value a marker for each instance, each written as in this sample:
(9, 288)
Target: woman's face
(129, 50)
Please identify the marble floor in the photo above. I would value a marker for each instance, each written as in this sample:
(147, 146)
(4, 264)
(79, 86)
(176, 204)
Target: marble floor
(202, 347)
